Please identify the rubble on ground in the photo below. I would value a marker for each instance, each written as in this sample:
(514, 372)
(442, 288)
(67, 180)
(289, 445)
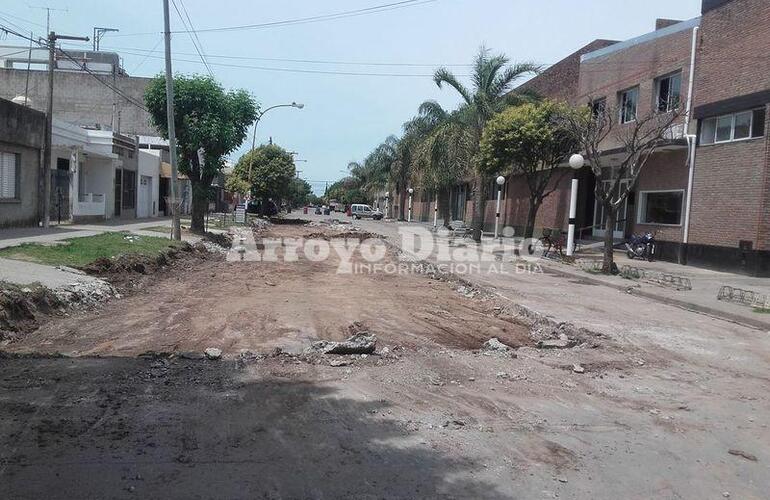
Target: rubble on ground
(259, 224)
(213, 353)
(223, 240)
(359, 343)
(562, 342)
(23, 308)
(86, 294)
(494, 346)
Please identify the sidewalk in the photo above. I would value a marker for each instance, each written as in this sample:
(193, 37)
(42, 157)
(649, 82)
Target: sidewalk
(701, 299)
(17, 236)
(26, 273)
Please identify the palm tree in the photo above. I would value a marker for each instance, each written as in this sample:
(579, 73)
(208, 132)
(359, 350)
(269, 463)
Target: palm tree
(444, 153)
(493, 81)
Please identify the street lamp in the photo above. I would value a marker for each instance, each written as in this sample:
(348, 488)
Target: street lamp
(411, 191)
(576, 162)
(260, 114)
(500, 181)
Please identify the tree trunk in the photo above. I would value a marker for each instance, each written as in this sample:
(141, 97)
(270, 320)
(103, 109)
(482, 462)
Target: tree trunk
(479, 208)
(609, 228)
(200, 202)
(443, 206)
(402, 205)
(534, 206)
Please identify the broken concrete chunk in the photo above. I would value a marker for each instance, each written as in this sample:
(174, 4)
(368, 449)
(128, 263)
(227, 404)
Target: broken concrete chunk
(578, 368)
(495, 345)
(563, 342)
(360, 343)
(213, 353)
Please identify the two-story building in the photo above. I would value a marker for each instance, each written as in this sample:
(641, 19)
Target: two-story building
(730, 210)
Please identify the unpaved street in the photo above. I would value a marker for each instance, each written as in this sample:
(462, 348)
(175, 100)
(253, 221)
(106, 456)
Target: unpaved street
(655, 413)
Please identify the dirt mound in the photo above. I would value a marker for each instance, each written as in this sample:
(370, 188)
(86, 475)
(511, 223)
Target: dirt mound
(22, 308)
(224, 240)
(293, 222)
(353, 235)
(130, 271)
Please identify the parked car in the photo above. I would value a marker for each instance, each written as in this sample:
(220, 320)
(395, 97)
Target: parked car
(270, 210)
(359, 211)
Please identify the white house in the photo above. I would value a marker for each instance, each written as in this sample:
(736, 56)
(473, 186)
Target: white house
(99, 174)
(147, 203)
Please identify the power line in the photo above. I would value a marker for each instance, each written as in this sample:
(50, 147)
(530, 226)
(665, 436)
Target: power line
(22, 19)
(305, 20)
(298, 70)
(193, 35)
(305, 61)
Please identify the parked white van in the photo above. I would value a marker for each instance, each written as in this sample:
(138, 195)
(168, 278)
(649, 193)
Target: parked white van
(359, 211)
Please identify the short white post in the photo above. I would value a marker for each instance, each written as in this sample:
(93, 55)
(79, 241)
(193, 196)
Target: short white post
(411, 191)
(576, 162)
(435, 213)
(387, 204)
(500, 181)
(572, 215)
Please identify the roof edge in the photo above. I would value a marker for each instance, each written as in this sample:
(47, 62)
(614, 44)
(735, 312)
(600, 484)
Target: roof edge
(647, 37)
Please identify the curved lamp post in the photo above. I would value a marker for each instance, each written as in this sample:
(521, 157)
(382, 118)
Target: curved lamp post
(411, 191)
(500, 181)
(260, 114)
(576, 162)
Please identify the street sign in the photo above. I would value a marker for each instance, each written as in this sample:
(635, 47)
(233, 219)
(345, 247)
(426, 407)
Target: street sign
(240, 214)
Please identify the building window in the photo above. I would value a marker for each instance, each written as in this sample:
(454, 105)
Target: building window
(668, 91)
(661, 207)
(9, 175)
(733, 127)
(628, 101)
(129, 189)
(598, 106)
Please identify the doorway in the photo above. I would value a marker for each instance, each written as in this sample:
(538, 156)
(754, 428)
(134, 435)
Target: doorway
(600, 217)
(144, 202)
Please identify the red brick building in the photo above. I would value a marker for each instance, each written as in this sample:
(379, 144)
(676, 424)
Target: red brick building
(706, 193)
(730, 217)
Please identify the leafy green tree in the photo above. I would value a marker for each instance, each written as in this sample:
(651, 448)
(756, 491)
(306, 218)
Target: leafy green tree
(207, 119)
(493, 81)
(300, 192)
(267, 172)
(529, 140)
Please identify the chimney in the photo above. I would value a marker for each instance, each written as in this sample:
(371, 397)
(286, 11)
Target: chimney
(665, 23)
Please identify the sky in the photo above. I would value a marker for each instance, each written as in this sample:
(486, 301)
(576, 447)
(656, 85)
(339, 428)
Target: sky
(391, 52)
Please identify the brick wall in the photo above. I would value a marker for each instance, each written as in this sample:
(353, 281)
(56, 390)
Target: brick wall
(733, 49)
(664, 171)
(560, 81)
(554, 211)
(732, 180)
(637, 64)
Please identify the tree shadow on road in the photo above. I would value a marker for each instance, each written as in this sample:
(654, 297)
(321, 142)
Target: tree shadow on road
(185, 429)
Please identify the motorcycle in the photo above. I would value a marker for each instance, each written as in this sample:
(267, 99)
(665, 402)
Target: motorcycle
(641, 246)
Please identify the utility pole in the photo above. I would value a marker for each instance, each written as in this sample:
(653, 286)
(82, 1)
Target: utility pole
(176, 230)
(47, 153)
(99, 33)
